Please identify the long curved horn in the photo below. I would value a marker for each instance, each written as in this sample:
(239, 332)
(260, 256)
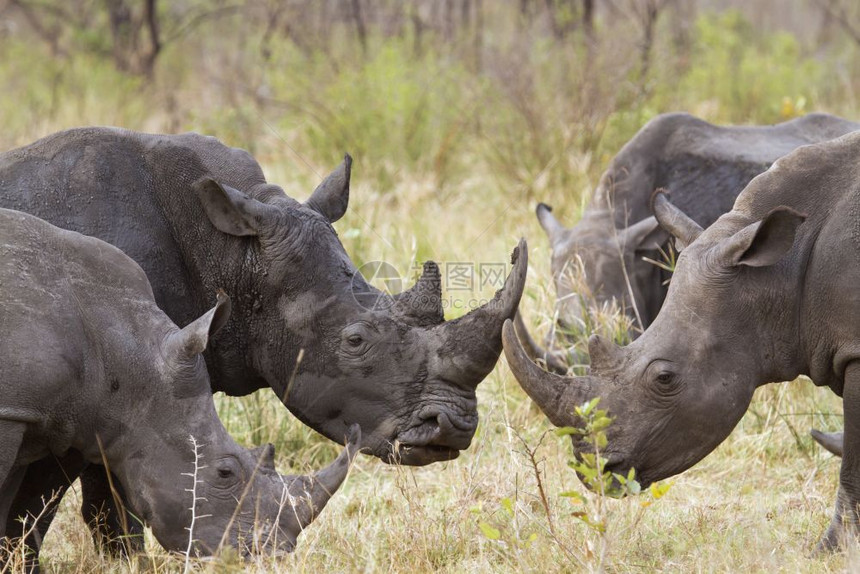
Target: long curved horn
(313, 492)
(555, 360)
(556, 396)
(547, 220)
(673, 220)
(832, 441)
(471, 345)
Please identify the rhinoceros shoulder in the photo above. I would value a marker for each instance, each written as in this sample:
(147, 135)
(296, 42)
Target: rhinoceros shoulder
(812, 179)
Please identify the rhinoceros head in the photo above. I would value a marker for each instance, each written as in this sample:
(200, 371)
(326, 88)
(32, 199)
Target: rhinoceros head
(594, 263)
(338, 351)
(677, 391)
(191, 482)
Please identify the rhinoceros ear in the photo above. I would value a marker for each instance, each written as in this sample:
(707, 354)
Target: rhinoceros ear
(331, 198)
(265, 455)
(644, 235)
(193, 339)
(230, 210)
(764, 242)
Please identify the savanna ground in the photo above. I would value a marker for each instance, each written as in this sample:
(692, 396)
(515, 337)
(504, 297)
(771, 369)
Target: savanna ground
(461, 116)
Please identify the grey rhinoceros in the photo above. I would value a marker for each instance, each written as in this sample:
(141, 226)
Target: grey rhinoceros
(93, 371)
(200, 216)
(767, 293)
(702, 165)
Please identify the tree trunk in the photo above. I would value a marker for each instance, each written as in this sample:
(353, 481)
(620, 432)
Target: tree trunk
(359, 25)
(128, 49)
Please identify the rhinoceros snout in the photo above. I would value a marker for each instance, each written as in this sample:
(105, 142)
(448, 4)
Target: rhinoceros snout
(441, 428)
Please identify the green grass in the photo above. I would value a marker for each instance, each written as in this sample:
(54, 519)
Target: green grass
(449, 164)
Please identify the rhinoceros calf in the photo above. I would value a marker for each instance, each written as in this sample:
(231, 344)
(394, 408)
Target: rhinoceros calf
(93, 371)
(198, 216)
(767, 293)
(704, 167)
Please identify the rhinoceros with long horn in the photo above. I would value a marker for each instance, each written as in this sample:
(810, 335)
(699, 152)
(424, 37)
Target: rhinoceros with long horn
(198, 216)
(704, 166)
(93, 371)
(765, 294)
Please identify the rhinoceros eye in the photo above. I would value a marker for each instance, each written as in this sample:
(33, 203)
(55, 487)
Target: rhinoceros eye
(665, 377)
(355, 340)
(227, 469)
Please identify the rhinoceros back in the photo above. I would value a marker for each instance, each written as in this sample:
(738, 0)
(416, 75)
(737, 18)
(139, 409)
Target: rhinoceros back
(704, 166)
(60, 295)
(133, 191)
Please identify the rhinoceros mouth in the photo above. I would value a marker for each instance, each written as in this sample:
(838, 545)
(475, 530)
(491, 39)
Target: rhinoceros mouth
(420, 455)
(438, 436)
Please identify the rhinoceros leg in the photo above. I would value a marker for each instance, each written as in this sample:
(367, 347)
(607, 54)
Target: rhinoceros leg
(846, 518)
(44, 484)
(11, 435)
(119, 534)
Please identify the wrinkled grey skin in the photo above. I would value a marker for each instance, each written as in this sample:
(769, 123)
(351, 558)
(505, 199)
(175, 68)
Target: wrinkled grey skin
(767, 293)
(93, 369)
(198, 216)
(703, 166)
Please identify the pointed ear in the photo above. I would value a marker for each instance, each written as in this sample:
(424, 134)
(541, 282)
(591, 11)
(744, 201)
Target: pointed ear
(331, 198)
(764, 242)
(230, 210)
(193, 339)
(265, 455)
(645, 235)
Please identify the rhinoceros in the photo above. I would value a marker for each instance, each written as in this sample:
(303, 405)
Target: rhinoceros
(704, 166)
(767, 293)
(197, 216)
(93, 371)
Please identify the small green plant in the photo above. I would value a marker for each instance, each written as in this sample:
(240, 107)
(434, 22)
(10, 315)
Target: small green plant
(591, 469)
(503, 526)
(591, 466)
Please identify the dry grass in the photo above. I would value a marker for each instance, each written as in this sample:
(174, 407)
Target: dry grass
(758, 503)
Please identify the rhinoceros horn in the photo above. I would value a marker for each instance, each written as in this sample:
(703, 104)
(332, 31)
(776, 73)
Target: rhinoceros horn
(555, 360)
(604, 354)
(547, 220)
(313, 492)
(471, 345)
(832, 441)
(556, 396)
(673, 220)
(423, 302)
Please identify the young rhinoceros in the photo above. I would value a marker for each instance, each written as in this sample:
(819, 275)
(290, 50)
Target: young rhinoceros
(93, 371)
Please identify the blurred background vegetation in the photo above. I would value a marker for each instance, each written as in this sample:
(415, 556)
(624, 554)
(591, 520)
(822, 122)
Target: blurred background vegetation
(460, 115)
(536, 93)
